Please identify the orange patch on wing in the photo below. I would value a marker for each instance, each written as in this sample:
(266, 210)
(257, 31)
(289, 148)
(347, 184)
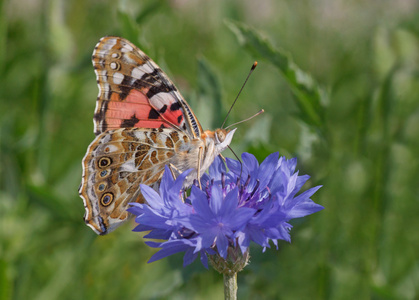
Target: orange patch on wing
(135, 108)
(174, 117)
(137, 97)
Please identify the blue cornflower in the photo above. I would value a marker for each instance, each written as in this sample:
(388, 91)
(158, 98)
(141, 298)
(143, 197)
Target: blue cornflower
(250, 202)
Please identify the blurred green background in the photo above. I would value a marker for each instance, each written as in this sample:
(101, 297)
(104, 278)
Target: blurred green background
(339, 81)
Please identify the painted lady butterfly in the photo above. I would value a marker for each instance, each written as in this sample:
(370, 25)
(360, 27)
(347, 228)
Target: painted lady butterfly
(142, 123)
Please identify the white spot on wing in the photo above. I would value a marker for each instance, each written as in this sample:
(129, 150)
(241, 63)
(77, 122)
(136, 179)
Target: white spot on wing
(128, 166)
(101, 75)
(126, 48)
(148, 69)
(161, 99)
(106, 139)
(104, 89)
(113, 65)
(138, 72)
(140, 135)
(117, 78)
(128, 60)
(109, 44)
(112, 148)
(101, 149)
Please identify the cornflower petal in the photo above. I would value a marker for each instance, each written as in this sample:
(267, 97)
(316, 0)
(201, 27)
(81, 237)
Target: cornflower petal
(204, 259)
(243, 240)
(222, 245)
(161, 234)
(250, 161)
(142, 227)
(169, 248)
(217, 168)
(302, 205)
(301, 180)
(216, 198)
(267, 169)
(284, 233)
(135, 209)
(229, 204)
(189, 257)
(292, 163)
(242, 217)
(234, 166)
(166, 182)
(200, 203)
(153, 198)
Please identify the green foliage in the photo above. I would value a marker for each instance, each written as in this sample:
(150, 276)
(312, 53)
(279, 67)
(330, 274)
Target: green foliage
(308, 94)
(351, 117)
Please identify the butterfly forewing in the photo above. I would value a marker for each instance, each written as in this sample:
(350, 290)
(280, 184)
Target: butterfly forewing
(135, 92)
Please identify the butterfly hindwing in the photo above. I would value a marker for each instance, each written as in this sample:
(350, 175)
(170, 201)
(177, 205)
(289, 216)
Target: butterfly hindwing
(135, 92)
(116, 162)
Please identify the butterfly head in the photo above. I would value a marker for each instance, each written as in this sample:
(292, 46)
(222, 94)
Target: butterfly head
(223, 139)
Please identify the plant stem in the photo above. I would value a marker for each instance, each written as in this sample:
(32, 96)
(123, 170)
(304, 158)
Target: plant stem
(230, 286)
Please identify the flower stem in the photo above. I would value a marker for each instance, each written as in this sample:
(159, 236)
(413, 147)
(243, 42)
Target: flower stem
(230, 286)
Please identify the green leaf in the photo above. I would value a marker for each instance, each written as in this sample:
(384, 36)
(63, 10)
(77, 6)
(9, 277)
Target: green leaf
(130, 25)
(150, 9)
(129, 28)
(5, 282)
(46, 198)
(209, 92)
(310, 97)
(3, 35)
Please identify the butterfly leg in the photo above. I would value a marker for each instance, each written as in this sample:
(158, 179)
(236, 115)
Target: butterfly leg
(173, 170)
(223, 158)
(198, 169)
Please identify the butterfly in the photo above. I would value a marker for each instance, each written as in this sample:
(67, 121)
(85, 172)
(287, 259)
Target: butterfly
(141, 123)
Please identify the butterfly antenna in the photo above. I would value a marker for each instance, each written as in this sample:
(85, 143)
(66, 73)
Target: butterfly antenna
(241, 164)
(251, 70)
(249, 118)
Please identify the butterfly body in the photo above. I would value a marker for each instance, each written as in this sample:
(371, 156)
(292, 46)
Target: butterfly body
(142, 123)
